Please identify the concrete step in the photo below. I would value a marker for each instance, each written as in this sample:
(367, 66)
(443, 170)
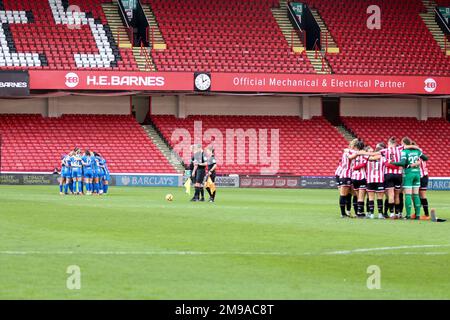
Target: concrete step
(324, 30)
(317, 63)
(142, 62)
(345, 133)
(169, 154)
(158, 39)
(286, 28)
(111, 11)
(432, 26)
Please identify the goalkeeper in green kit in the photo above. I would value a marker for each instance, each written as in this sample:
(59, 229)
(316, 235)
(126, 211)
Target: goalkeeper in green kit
(411, 179)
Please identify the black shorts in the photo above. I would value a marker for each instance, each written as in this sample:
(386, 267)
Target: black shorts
(200, 175)
(359, 184)
(393, 181)
(424, 183)
(346, 182)
(375, 187)
(338, 181)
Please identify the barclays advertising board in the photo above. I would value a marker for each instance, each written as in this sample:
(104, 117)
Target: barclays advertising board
(147, 180)
(439, 184)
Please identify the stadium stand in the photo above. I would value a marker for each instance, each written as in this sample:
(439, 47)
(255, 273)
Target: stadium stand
(443, 3)
(299, 140)
(223, 36)
(403, 45)
(32, 143)
(36, 35)
(433, 136)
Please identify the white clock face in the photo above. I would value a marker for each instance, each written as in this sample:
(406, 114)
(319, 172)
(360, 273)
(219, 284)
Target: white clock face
(202, 82)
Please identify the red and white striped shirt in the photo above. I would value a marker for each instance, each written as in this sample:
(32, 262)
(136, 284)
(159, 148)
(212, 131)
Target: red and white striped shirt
(347, 164)
(375, 170)
(338, 169)
(393, 154)
(423, 168)
(361, 173)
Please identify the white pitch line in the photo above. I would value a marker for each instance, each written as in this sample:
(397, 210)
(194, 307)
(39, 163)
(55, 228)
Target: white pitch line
(381, 250)
(388, 248)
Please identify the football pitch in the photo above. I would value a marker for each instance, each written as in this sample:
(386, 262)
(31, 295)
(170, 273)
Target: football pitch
(250, 244)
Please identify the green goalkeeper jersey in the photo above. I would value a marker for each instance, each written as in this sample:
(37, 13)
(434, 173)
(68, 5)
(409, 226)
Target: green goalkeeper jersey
(409, 157)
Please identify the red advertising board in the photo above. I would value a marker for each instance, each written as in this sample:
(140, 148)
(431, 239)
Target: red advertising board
(313, 83)
(111, 80)
(233, 82)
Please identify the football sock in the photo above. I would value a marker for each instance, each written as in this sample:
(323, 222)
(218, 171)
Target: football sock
(400, 207)
(386, 206)
(391, 207)
(202, 192)
(66, 188)
(60, 188)
(80, 186)
(214, 195)
(105, 188)
(209, 192)
(408, 204)
(197, 192)
(342, 203)
(348, 202)
(367, 206)
(417, 205)
(380, 205)
(371, 206)
(355, 204)
(71, 186)
(360, 207)
(424, 203)
(74, 186)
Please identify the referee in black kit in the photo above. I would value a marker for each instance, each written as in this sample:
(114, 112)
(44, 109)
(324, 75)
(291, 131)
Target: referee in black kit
(199, 172)
(212, 165)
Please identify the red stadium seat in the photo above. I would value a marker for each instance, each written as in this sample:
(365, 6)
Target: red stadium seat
(223, 36)
(57, 46)
(403, 45)
(307, 147)
(433, 136)
(35, 144)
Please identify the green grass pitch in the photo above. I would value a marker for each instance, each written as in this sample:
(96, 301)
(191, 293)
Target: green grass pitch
(250, 244)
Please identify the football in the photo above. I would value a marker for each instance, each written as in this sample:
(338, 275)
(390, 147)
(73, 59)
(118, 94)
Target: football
(169, 197)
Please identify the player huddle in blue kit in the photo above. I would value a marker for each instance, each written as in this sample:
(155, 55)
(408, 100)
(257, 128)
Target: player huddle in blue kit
(84, 173)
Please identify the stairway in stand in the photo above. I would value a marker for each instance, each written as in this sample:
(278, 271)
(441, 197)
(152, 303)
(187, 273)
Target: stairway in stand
(154, 32)
(118, 30)
(429, 20)
(281, 16)
(326, 38)
(143, 60)
(316, 61)
(170, 155)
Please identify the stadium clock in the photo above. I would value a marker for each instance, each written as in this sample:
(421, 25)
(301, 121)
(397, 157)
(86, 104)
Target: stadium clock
(202, 81)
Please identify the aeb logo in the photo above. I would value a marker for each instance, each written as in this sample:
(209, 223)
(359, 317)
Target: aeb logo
(72, 80)
(430, 85)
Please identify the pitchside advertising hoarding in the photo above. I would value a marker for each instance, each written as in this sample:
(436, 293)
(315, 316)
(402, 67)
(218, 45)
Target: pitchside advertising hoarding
(232, 82)
(14, 83)
(232, 181)
(147, 180)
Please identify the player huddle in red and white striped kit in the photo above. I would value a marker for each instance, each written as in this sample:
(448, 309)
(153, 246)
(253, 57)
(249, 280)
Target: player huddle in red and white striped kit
(366, 175)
